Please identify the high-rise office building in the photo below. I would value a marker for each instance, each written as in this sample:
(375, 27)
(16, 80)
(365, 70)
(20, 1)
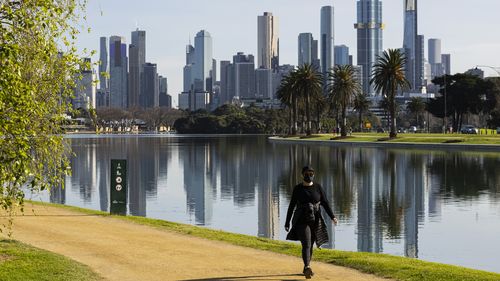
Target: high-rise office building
(314, 55)
(85, 91)
(410, 42)
(341, 55)
(103, 63)
(188, 69)
(264, 83)
(267, 41)
(446, 62)
(165, 99)
(327, 48)
(118, 72)
(224, 79)
(137, 59)
(244, 74)
(435, 57)
(203, 60)
(420, 63)
(150, 90)
(305, 49)
(370, 45)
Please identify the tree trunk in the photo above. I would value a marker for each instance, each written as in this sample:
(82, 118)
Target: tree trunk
(393, 133)
(308, 115)
(360, 121)
(343, 130)
(290, 120)
(294, 105)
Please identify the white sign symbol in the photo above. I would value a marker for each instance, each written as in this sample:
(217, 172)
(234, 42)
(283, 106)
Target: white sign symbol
(118, 187)
(118, 179)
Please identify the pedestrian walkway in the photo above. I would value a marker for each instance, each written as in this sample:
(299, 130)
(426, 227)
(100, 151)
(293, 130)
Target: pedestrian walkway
(122, 250)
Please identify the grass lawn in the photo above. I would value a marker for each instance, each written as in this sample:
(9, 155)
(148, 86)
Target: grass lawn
(388, 266)
(21, 262)
(408, 138)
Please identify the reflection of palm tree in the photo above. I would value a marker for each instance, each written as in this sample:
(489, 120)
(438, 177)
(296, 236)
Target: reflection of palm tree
(416, 106)
(343, 86)
(388, 77)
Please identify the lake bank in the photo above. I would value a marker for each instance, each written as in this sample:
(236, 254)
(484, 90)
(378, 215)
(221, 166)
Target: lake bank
(403, 141)
(191, 240)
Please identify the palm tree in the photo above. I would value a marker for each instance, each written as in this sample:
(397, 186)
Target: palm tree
(343, 86)
(289, 98)
(307, 83)
(388, 76)
(416, 106)
(361, 104)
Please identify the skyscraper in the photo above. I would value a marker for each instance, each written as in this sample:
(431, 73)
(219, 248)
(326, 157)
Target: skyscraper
(435, 57)
(244, 74)
(420, 63)
(188, 69)
(341, 55)
(85, 92)
(370, 45)
(150, 91)
(410, 43)
(203, 60)
(224, 95)
(305, 49)
(327, 39)
(103, 64)
(137, 56)
(267, 41)
(118, 72)
(446, 62)
(165, 99)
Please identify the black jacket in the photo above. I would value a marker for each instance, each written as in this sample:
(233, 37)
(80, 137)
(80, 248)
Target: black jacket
(304, 201)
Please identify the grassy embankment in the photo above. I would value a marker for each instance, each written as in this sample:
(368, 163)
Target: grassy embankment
(388, 266)
(22, 262)
(407, 138)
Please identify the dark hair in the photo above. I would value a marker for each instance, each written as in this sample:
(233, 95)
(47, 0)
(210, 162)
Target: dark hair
(307, 169)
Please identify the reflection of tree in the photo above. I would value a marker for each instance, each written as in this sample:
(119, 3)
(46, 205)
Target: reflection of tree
(387, 206)
(342, 178)
(462, 175)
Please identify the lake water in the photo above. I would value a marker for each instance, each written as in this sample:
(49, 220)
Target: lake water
(441, 206)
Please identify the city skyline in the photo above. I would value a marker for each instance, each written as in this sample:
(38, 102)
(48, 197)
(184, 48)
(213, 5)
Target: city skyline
(169, 32)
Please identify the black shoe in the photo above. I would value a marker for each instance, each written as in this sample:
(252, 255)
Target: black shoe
(308, 273)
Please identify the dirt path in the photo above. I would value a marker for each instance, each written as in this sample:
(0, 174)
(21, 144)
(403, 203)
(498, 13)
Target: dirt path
(120, 250)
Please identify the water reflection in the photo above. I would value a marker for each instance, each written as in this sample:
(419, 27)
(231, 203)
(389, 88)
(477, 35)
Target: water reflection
(391, 201)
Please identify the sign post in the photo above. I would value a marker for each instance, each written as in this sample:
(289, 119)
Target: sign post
(118, 192)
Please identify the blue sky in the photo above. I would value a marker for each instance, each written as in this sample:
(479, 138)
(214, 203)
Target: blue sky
(470, 30)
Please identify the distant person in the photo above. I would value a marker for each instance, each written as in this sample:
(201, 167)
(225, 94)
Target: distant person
(308, 225)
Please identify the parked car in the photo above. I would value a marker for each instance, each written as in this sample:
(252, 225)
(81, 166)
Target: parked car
(469, 129)
(380, 130)
(412, 129)
(498, 130)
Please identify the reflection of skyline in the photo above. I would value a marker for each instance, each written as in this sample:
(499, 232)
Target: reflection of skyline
(382, 196)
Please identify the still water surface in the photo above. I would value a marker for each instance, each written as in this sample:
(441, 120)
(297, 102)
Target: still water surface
(439, 206)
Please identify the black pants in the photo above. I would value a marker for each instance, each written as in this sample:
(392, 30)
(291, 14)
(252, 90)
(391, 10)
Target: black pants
(307, 237)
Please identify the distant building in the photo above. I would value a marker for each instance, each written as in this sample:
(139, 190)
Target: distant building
(244, 74)
(327, 41)
(278, 75)
(267, 41)
(203, 63)
(370, 45)
(224, 80)
(85, 91)
(342, 55)
(446, 61)
(184, 101)
(305, 49)
(137, 59)
(435, 59)
(150, 90)
(103, 64)
(410, 42)
(165, 100)
(264, 83)
(420, 63)
(118, 71)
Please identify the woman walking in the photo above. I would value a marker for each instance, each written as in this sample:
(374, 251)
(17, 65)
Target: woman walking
(308, 225)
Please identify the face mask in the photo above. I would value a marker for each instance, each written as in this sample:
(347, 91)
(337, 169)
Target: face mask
(308, 178)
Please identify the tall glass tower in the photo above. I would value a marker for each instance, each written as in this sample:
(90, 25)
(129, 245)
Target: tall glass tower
(203, 62)
(410, 43)
(370, 46)
(267, 41)
(137, 59)
(327, 39)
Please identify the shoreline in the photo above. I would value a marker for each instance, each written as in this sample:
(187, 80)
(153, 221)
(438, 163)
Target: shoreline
(397, 145)
(381, 265)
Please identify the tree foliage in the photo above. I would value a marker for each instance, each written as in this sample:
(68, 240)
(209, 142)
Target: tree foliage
(388, 76)
(38, 62)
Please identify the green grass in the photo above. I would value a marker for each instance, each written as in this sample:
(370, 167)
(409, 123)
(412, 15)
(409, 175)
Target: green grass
(382, 265)
(409, 138)
(22, 262)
